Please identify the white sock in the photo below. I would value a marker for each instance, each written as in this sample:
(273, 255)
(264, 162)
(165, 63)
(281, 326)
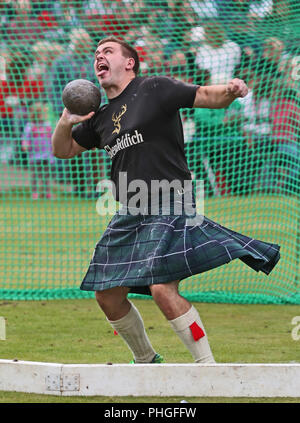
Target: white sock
(131, 329)
(199, 348)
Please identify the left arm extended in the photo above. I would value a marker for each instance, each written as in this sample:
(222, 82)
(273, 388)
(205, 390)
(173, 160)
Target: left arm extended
(220, 96)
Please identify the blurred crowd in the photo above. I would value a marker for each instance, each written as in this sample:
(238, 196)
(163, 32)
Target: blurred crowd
(252, 145)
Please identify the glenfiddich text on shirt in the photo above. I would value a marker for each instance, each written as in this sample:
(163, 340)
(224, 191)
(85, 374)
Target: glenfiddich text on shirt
(125, 141)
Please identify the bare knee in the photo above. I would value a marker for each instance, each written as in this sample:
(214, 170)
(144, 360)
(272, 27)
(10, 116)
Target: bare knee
(168, 299)
(165, 290)
(160, 293)
(113, 302)
(102, 299)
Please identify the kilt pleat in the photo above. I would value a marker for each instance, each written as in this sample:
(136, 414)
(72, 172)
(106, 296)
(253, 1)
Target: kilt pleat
(138, 251)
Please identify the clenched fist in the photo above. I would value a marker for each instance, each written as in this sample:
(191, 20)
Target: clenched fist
(237, 88)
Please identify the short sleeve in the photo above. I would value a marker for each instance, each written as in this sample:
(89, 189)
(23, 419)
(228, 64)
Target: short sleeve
(85, 135)
(174, 94)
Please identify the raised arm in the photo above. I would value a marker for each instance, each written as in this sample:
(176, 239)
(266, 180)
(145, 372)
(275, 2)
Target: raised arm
(63, 145)
(220, 96)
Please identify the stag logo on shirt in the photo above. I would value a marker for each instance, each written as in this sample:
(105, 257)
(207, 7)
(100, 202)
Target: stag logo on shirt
(116, 119)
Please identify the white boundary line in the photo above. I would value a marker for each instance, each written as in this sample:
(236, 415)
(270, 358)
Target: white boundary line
(208, 380)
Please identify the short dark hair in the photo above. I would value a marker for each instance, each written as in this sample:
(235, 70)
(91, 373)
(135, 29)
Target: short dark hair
(127, 50)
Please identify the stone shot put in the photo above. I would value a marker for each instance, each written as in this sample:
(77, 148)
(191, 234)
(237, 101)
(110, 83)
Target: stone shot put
(81, 97)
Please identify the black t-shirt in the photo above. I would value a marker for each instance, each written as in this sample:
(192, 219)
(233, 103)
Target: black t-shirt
(141, 131)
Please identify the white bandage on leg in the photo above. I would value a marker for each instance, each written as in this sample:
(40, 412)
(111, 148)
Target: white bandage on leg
(190, 330)
(131, 329)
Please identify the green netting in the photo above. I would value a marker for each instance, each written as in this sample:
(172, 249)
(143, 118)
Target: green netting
(247, 155)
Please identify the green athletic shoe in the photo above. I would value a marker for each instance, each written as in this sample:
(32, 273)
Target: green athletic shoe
(156, 360)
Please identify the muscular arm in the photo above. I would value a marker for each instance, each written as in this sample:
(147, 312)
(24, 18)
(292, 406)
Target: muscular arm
(220, 96)
(63, 145)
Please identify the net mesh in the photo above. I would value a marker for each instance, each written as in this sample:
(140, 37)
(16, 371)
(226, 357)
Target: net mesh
(247, 155)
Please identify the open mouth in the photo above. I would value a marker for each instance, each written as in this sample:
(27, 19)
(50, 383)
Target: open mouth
(102, 69)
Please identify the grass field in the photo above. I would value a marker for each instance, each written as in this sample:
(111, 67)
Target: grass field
(48, 245)
(76, 331)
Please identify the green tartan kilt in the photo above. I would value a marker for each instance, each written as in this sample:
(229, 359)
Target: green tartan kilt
(137, 251)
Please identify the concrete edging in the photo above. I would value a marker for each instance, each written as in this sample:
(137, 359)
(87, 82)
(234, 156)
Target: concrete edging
(209, 380)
